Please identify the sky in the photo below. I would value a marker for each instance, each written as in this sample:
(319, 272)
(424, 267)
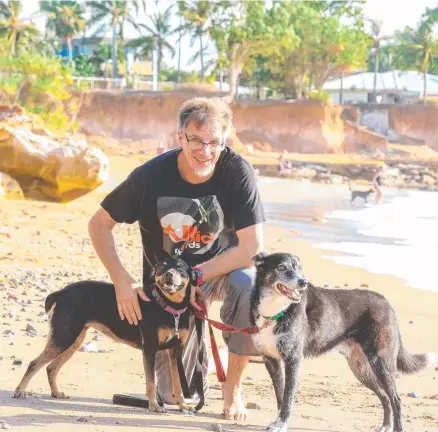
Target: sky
(406, 13)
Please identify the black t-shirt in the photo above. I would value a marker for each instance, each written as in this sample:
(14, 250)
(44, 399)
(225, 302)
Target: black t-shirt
(194, 221)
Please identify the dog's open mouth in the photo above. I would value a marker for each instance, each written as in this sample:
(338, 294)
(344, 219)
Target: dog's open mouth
(171, 287)
(292, 294)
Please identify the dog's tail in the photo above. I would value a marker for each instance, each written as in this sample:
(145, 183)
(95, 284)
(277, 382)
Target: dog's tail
(410, 363)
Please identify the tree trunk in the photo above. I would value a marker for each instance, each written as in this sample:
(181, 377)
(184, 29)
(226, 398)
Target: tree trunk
(70, 50)
(159, 61)
(341, 92)
(114, 51)
(202, 56)
(178, 79)
(376, 71)
(425, 83)
(233, 77)
(13, 40)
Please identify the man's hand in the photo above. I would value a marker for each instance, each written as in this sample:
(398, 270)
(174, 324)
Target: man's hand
(127, 301)
(196, 291)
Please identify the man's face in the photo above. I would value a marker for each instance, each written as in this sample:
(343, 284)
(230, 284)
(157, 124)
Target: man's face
(201, 159)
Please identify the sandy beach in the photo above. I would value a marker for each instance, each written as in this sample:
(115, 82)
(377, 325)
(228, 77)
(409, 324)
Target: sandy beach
(44, 246)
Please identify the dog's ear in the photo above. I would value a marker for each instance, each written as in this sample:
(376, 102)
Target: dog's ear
(259, 258)
(160, 256)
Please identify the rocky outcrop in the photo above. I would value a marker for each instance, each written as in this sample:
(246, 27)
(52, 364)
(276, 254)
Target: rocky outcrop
(45, 166)
(417, 123)
(299, 126)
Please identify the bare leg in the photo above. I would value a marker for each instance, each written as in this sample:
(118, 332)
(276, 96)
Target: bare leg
(234, 407)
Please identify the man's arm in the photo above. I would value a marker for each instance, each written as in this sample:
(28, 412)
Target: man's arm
(250, 243)
(100, 229)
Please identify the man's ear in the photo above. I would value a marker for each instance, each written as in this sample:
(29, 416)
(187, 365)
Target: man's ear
(259, 258)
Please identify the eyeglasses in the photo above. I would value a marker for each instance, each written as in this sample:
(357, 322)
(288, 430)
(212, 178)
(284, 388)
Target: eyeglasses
(197, 144)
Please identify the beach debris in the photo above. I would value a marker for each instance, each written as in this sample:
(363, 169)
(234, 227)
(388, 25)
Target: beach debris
(12, 313)
(4, 425)
(250, 378)
(8, 333)
(364, 285)
(411, 321)
(82, 419)
(414, 395)
(216, 427)
(89, 347)
(31, 331)
(97, 337)
(253, 405)
(17, 362)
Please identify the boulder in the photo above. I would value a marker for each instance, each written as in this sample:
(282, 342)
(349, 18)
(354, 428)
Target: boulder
(48, 167)
(9, 188)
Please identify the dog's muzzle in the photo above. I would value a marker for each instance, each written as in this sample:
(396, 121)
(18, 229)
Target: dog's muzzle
(293, 293)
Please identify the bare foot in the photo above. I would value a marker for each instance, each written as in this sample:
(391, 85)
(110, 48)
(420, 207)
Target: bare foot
(234, 407)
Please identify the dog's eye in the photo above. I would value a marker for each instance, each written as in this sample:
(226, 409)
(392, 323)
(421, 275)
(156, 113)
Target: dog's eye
(281, 268)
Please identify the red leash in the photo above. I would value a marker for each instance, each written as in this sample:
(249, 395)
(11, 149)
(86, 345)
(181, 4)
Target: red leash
(221, 326)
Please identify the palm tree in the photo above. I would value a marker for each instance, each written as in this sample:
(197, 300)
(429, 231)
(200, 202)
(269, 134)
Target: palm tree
(159, 30)
(66, 19)
(16, 30)
(113, 14)
(197, 14)
(426, 44)
(377, 38)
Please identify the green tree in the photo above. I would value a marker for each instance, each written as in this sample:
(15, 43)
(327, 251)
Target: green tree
(241, 35)
(377, 39)
(198, 15)
(113, 14)
(159, 30)
(66, 19)
(18, 33)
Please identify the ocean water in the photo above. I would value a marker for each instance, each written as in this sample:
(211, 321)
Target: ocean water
(398, 237)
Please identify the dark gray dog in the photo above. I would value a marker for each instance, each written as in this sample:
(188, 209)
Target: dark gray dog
(298, 320)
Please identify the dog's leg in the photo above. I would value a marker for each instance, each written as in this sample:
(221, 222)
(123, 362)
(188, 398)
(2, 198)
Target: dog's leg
(54, 367)
(361, 369)
(275, 370)
(385, 375)
(50, 353)
(176, 383)
(291, 369)
(151, 385)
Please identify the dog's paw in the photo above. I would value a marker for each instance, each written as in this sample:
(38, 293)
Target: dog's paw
(186, 409)
(155, 407)
(20, 394)
(60, 395)
(277, 426)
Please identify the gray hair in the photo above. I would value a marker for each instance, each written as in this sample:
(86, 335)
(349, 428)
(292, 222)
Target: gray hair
(202, 110)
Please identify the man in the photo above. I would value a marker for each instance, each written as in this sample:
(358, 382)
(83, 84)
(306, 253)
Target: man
(199, 202)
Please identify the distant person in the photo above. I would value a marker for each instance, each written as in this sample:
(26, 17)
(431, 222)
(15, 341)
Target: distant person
(284, 166)
(377, 182)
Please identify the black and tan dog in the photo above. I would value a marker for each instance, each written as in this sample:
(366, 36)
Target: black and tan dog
(79, 306)
(298, 320)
